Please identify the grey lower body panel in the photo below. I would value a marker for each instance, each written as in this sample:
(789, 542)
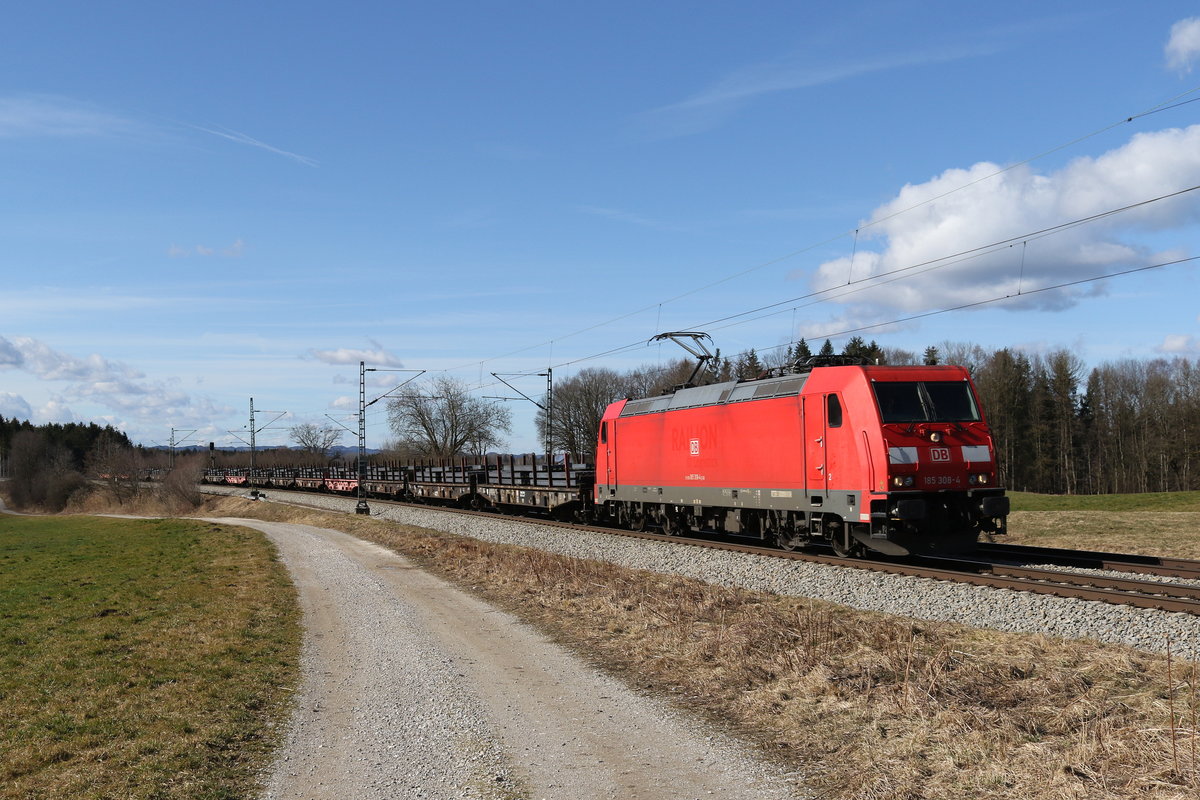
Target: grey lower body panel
(844, 504)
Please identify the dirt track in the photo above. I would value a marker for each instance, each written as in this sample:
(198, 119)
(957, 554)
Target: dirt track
(413, 688)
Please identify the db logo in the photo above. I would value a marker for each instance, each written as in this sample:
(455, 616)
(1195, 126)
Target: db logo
(939, 453)
(694, 447)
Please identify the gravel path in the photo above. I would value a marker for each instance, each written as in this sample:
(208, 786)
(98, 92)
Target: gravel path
(414, 689)
(917, 598)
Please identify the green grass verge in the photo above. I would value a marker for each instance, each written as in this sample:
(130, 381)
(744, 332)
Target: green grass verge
(140, 658)
(1153, 501)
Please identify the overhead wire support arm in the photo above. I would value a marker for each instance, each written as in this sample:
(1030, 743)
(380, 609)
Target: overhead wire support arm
(365, 369)
(237, 435)
(498, 377)
(548, 407)
(340, 424)
(174, 444)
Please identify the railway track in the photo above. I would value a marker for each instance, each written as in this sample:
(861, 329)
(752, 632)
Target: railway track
(1001, 566)
(1088, 559)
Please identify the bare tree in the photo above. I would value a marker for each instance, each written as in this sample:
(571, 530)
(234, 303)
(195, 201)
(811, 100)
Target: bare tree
(179, 488)
(315, 440)
(117, 467)
(650, 380)
(963, 354)
(447, 420)
(579, 403)
(897, 356)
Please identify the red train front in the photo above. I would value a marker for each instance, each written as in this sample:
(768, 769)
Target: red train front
(893, 459)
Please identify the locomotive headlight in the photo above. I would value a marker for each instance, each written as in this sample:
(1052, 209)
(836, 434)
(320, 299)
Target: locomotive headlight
(979, 479)
(935, 436)
(902, 481)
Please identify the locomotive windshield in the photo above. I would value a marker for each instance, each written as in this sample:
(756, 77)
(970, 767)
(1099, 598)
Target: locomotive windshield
(926, 401)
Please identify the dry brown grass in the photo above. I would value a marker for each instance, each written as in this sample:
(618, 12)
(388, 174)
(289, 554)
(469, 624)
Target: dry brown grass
(867, 705)
(177, 496)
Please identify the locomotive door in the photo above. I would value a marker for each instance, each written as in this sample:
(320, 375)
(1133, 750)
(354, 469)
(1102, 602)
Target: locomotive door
(815, 450)
(608, 432)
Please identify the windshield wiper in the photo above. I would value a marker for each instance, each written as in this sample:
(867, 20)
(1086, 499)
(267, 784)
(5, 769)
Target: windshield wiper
(927, 404)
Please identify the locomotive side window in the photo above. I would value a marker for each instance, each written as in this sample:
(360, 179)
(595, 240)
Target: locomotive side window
(603, 433)
(833, 411)
(925, 401)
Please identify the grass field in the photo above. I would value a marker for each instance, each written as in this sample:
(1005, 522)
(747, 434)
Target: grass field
(1153, 501)
(1161, 524)
(140, 658)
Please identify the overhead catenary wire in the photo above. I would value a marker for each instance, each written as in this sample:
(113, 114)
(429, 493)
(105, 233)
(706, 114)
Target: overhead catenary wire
(870, 282)
(920, 268)
(1172, 102)
(1001, 298)
(961, 307)
(900, 273)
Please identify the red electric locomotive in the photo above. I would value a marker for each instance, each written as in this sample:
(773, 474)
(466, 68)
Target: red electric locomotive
(893, 459)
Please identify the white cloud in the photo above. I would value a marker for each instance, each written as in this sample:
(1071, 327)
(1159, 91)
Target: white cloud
(41, 360)
(57, 411)
(241, 138)
(927, 223)
(1179, 344)
(39, 303)
(711, 106)
(1184, 44)
(46, 115)
(95, 380)
(379, 357)
(234, 250)
(10, 356)
(14, 406)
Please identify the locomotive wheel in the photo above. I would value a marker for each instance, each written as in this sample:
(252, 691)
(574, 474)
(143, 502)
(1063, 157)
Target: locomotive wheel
(787, 540)
(676, 526)
(843, 550)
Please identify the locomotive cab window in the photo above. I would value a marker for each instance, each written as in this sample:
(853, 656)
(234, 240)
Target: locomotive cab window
(603, 433)
(833, 411)
(925, 401)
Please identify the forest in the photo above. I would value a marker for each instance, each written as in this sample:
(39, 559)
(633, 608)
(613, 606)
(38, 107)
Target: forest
(71, 441)
(1129, 426)
(45, 464)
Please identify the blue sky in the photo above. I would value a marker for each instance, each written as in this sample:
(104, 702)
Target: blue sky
(202, 203)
